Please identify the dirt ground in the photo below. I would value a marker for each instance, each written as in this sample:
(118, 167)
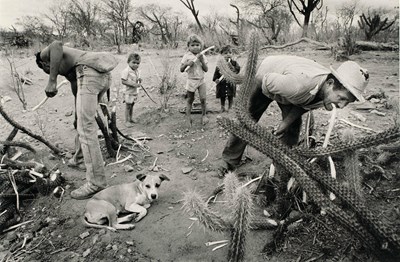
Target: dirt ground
(167, 233)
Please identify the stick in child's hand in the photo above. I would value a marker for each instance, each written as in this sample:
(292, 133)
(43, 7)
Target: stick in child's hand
(201, 53)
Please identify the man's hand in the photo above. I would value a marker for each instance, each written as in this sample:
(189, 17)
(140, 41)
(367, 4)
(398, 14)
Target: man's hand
(280, 130)
(51, 89)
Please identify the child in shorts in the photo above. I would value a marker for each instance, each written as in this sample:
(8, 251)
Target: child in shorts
(130, 78)
(195, 64)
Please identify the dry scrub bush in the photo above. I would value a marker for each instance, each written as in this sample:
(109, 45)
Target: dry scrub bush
(168, 82)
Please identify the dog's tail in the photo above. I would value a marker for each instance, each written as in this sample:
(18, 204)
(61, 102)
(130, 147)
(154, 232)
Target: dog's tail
(88, 224)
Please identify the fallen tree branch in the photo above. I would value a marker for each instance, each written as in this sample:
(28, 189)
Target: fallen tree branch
(19, 144)
(304, 39)
(28, 132)
(9, 138)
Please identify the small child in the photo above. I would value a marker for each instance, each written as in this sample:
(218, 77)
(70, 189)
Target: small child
(130, 78)
(225, 88)
(195, 64)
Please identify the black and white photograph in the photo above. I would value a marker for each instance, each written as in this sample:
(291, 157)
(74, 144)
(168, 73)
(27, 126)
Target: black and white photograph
(199, 130)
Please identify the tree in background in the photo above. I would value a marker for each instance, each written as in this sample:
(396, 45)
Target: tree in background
(84, 19)
(165, 24)
(58, 16)
(372, 23)
(319, 25)
(118, 11)
(305, 9)
(190, 5)
(345, 16)
(34, 27)
(269, 16)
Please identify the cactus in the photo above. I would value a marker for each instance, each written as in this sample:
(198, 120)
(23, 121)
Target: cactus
(351, 166)
(238, 222)
(357, 218)
(372, 26)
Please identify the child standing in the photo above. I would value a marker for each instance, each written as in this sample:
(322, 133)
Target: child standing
(195, 64)
(225, 88)
(130, 78)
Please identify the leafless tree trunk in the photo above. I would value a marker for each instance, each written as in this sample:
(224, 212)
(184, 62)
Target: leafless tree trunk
(158, 17)
(237, 24)
(118, 12)
(58, 16)
(190, 5)
(83, 17)
(304, 9)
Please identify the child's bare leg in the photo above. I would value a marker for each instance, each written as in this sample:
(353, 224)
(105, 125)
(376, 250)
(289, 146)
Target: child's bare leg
(127, 112)
(222, 104)
(189, 103)
(230, 102)
(131, 113)
(203, 96)
(204, 119)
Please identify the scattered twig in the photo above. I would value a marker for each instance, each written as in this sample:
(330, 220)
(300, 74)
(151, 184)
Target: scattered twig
(16, 226)
(215, 242)
(205, 157)
(154, 164)
(118, 155)
(251, 181)
(14, 186)
(46, 98)
(120, 161)
(220, 246)
(360, 127)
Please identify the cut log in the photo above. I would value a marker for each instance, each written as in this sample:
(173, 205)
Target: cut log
(375, 46)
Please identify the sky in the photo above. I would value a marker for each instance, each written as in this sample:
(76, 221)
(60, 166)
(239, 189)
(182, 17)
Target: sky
(10, 10)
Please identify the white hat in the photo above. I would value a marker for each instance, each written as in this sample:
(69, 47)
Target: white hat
(353, 77)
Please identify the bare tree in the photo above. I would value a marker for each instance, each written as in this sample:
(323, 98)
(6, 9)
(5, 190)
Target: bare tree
(118, 12)
(236, 39)
(319, 25)
(84, 17)
(304, 9)
(34, 27)
(372, 24)
(269, 17)
(158, 17)
(58, 16)
(190, 5)
(345, 15)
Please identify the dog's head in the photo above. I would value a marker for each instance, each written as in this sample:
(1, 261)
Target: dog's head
(151, 183)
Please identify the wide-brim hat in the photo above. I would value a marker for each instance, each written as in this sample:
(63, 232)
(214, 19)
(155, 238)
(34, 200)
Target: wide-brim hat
(353, 77)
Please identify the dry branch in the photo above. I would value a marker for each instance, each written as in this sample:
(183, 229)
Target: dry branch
(28, 132)
(304, 39)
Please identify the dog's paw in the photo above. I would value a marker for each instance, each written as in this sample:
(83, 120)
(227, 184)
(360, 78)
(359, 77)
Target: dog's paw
(130, 217)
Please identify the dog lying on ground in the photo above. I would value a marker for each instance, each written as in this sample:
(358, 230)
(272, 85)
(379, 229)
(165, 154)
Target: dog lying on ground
(105, 206)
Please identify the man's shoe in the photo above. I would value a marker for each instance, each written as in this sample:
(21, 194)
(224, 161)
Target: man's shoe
(85, 191)
(78, 165)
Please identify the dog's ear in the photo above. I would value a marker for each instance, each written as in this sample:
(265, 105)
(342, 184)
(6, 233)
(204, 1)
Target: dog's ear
(141, 177)
(163, 177)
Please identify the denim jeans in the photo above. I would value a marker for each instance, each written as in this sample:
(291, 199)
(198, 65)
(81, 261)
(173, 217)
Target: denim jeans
(91, 87)
(234, 148)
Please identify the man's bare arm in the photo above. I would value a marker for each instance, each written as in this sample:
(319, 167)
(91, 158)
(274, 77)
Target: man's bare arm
(294, 114)
(53, 55)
